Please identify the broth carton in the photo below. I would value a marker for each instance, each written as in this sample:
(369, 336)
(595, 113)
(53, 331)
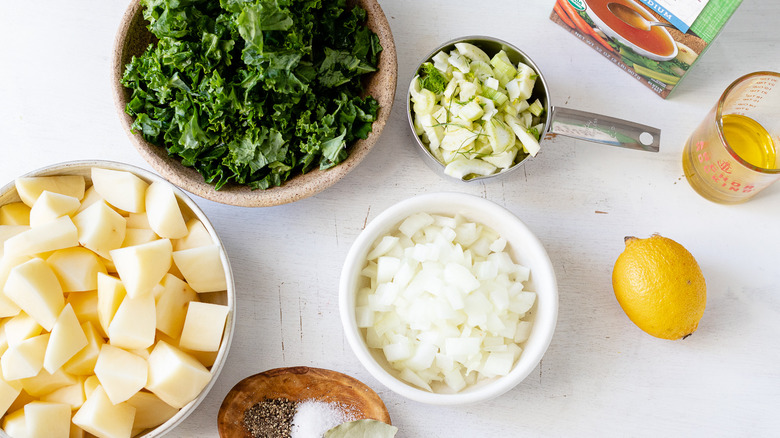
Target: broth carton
(658, 56)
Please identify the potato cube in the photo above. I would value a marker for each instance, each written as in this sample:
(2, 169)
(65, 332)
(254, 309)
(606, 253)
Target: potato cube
(83, 363)
(15, 213)
(138, 221)
(150, 411)
(91, 383)
(76, 268)
(50, 206)
(174, 376)
(120, 372)
(85, 304)
(197, 235)
(34, 287)
(14, 424)
(90, 197)
(120, 188)
(45, 382)
(104, 419)
(100, 228)
(57, 234)
(30, 188)
(163, 212)
(203, 326)
(202, 268)
(110, 292)
(67, 339)
(24, 359)
(207, 358)
(47, 420)
(172, 305)
(7, 306)
(9, 391)
(141, 267)
(21, 327)
(134, 323)
(138, 236)
(72, 395)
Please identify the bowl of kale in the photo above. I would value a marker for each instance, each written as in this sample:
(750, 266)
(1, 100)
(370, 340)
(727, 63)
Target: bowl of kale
(254, 102)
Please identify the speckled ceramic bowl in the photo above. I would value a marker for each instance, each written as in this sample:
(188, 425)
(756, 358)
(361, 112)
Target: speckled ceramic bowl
(133, 38)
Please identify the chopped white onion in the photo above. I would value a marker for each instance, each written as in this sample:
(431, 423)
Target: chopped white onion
(444, 301)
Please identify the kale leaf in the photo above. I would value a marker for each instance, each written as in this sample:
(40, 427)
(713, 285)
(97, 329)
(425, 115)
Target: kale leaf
(253, 92)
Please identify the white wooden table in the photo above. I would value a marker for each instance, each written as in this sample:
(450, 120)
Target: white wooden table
(601, 375)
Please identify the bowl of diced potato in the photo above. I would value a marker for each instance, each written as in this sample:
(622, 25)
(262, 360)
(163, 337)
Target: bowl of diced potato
(117, 302)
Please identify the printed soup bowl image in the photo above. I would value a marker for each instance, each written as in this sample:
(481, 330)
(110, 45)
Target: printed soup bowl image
(448, 299)
(117, 301)
(656, 43)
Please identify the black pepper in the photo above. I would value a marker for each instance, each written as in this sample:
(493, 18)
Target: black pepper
(270, 418)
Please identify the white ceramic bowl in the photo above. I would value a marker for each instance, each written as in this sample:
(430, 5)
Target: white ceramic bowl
(525, 249)
(190, 210)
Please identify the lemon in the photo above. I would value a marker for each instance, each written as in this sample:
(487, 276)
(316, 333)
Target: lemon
(660, 287)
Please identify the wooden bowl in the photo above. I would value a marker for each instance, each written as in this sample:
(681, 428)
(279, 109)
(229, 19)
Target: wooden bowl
(133, 38)
(297, 384)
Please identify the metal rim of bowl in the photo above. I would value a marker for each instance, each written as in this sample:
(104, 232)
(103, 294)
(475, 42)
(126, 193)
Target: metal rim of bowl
(541, 90)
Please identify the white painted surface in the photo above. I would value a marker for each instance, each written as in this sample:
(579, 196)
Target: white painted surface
(601, 375)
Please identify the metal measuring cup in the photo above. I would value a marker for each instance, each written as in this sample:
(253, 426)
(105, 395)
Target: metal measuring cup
(568, 122)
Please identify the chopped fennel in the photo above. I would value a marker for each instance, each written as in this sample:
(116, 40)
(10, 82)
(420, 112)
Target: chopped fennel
(482, 122)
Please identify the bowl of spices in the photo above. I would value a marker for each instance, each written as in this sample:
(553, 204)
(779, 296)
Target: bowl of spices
(300, 402)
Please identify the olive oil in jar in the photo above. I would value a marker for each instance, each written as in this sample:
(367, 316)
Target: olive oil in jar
(750, 140)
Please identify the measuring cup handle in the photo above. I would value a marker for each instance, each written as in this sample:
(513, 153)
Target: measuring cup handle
(604, 129)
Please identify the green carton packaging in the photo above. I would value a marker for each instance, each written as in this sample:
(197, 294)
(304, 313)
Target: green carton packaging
(659, 56)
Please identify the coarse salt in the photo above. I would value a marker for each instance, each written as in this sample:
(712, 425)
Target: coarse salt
(313, 418)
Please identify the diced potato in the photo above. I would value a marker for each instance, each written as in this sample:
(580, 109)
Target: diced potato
(90, 197)
(138, 221)
(67, 339)
(72, 395)
(57, 234)
(172, 305)
(120, 188)
(206, 358)
(34, 287)
(9, 391)
(110, 292)
(150, 411)
(24, 359)
(83, 363)
(174, 376)
(133, 325)
(50, 206)
(203, 326)
(197, 235)
(104, 419)
(100, 228)
(85, 304)
(21, 400)
(76, 268)
(141, 267)
(29, 188)
(21, 327)
(163, 212)
(91, 383)
(121, 373)
(14, 424)
(44, 382)
(15, 213)
(138, 236)
(47, 420)
(202, 268)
